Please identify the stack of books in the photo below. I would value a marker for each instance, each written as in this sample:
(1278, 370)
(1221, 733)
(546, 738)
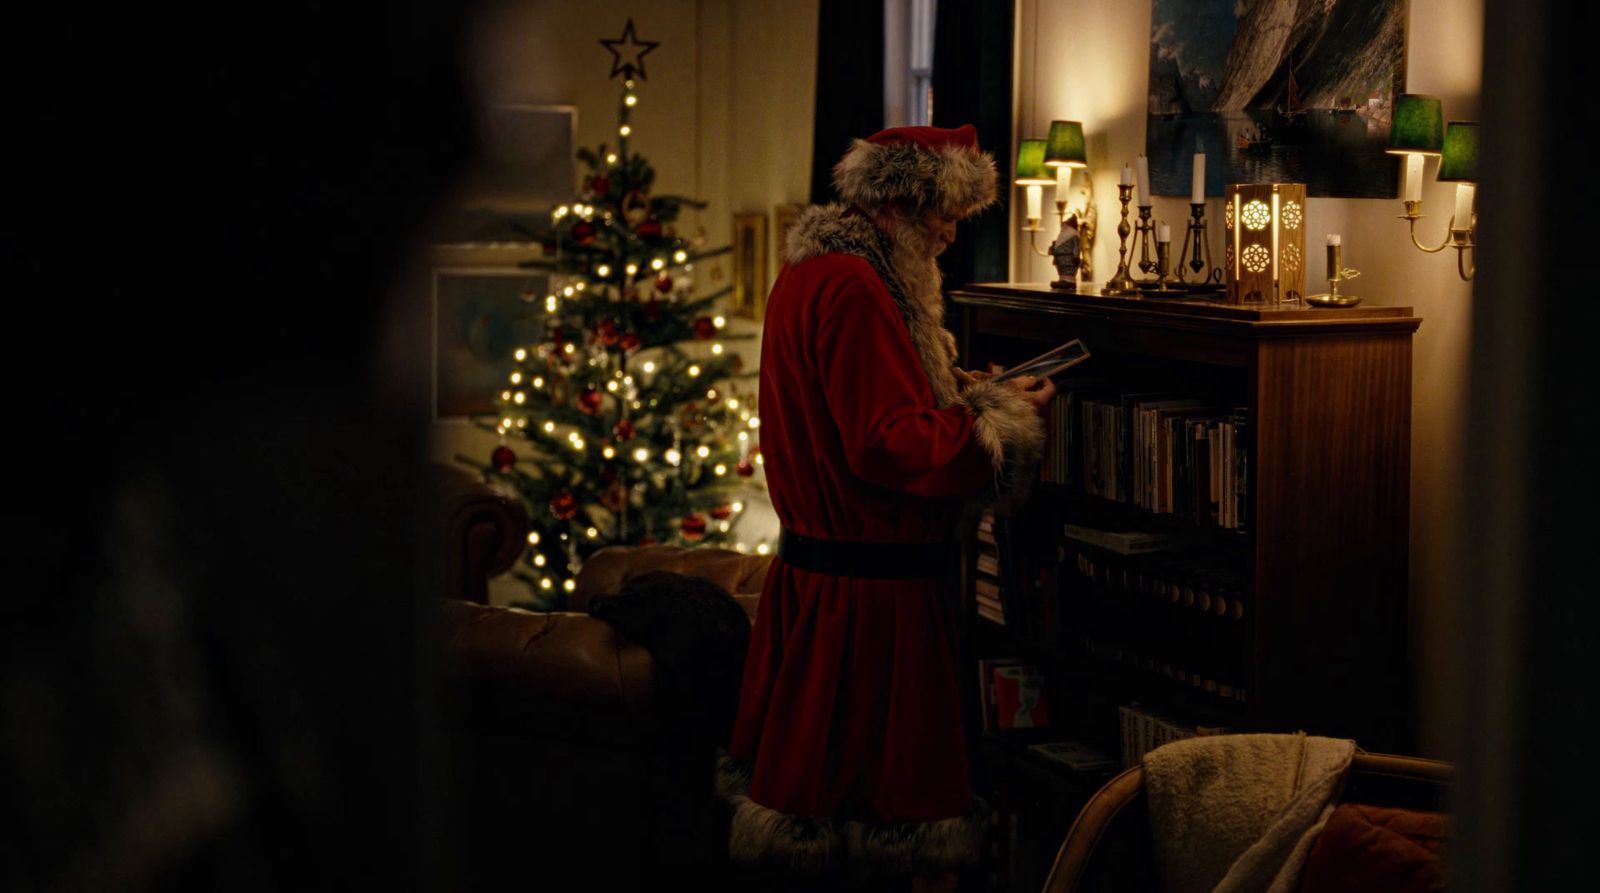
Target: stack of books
(1144, 730)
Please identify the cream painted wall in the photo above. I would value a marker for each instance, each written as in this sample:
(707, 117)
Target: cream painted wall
(719, 62)
(1088, 61)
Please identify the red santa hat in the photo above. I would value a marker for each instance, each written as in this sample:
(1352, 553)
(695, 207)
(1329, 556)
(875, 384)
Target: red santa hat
(927, 168)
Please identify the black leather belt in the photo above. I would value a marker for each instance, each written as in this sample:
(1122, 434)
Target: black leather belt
(872, 561)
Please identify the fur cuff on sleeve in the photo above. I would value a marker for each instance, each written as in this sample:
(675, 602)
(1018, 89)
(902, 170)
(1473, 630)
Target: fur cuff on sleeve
(1006, 425)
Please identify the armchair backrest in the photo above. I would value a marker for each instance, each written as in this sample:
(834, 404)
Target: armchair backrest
(606, 570)
(1108, 846)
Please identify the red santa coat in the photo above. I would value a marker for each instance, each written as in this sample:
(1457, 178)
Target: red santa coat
(850, 721)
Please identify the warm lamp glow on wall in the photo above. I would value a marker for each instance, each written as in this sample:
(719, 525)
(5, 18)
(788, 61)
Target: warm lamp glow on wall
(1043, 162)
(1416, 132)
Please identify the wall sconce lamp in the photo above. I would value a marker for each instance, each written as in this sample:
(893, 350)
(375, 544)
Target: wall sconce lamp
(1418, 131)
(1042, 162)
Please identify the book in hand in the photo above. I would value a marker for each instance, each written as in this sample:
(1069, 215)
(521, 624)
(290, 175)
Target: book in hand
(1075, 756)
(1050, 362)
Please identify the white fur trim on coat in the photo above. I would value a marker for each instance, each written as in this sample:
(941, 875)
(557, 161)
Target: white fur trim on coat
(764, 836)
(1009, 429)
(956, 180)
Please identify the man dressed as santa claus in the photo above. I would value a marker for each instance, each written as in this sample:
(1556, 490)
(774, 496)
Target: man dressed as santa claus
(848, 756)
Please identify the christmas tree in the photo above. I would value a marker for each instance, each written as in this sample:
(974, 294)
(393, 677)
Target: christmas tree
(627, 423)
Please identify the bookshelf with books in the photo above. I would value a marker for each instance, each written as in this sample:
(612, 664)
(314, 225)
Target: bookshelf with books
(1220, 529)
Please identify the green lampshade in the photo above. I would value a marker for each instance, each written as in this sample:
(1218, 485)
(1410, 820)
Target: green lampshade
(1459, 163)
(1030, 164)
(1065, 145)
(1417, 126)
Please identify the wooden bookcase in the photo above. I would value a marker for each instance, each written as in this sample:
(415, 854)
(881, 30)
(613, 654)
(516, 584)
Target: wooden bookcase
(1322, 564)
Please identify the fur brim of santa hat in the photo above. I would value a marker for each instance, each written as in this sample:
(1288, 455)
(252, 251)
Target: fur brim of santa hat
(924, 168)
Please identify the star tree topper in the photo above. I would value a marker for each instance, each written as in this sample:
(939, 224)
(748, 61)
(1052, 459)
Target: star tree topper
(628, 53)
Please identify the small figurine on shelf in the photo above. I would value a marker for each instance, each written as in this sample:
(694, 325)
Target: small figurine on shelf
(1064, 254)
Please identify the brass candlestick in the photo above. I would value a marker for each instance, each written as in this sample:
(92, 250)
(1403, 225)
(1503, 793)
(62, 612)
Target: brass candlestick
(1144, 232)
(1195, 235)
(1163, 267)
(1337, 273)
(1122, 283)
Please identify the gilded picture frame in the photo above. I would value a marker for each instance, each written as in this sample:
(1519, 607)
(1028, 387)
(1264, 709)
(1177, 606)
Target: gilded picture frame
(749, 265)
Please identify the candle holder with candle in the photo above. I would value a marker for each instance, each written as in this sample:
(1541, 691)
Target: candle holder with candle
(1195, 255)
(1122, 283)
(1162, 286)
(1337, 273)
(1458, 164)
(1264, 260)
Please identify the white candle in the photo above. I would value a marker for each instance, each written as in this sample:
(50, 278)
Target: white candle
(1127, 175)
(1144, 181)
(1063, 182)
(1164, 233)
(1463, 206)
(1197, 191)
(1035, 201)
(1413, 177)
(1333, 238)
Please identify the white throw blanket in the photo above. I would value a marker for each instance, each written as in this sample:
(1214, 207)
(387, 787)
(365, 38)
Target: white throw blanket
(1238, 813)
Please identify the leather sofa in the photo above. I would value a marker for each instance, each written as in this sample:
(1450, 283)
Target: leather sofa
(567, 767)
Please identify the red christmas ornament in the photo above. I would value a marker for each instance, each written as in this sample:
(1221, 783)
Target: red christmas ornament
(605, 334)
(623, 429)
(745, 468)
(589, 401)
(503, 458)
(663, 283)
(693, 528)
(600, 185)
(704, 328)
(722, 512)
(564, 505)
(647, 540)
(583, 233)
(649, 230)
(631, 342)
(652, 309)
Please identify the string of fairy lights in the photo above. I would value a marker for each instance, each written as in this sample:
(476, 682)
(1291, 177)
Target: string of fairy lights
(624, 341)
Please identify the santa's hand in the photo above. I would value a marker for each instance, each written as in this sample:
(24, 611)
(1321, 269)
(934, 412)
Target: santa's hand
(1037, 390)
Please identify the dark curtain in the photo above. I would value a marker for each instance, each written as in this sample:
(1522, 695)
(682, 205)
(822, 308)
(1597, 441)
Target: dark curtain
(849, 85)
(1525, 580)
(972, 85)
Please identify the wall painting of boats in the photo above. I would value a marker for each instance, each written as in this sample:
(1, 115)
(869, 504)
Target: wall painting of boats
(1287, 91)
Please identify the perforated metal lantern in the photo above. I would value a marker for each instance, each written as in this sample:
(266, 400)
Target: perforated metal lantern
(1265, 259)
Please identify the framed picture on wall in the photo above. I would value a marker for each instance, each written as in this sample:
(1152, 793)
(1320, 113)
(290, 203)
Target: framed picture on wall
(480, 316)
(749, 265)
(1276, 93)
(524, 168)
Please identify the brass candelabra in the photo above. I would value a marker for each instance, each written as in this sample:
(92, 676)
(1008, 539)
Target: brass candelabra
(1458, 238)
